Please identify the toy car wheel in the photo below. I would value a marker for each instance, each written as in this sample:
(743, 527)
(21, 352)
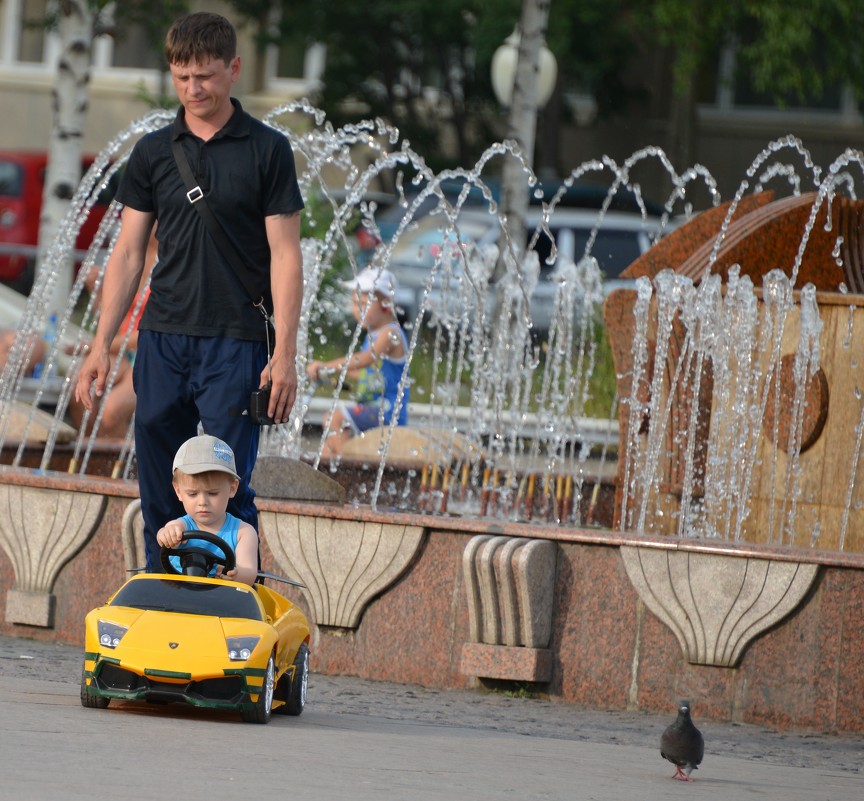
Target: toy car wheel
(260, 713)
(90, 700)
(295, 700)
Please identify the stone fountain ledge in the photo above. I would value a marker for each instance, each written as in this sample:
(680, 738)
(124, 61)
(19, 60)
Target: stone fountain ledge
(469, 525)
(50, 479)
(716, 597)
(588, 536)
(404, 606)
(121, 488)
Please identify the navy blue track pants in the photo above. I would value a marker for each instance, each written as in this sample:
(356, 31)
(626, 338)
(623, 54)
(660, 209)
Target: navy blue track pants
(180, 380)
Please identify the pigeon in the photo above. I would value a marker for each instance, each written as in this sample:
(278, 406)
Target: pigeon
(682, 744)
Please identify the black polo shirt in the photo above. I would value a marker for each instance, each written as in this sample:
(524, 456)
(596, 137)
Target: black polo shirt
(247, 173)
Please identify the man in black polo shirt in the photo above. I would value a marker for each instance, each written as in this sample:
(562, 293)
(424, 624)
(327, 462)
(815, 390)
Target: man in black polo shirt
(202, 347)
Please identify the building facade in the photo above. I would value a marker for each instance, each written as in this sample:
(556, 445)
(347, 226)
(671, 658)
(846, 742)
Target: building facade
(127, 76)
(731, 124)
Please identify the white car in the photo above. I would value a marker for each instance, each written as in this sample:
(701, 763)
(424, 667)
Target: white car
(429, 260)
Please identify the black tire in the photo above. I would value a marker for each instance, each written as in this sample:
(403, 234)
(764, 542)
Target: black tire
(90, 700)
(260, 713)
(295, 688)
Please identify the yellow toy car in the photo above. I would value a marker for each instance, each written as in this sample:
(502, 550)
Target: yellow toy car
(209, 642)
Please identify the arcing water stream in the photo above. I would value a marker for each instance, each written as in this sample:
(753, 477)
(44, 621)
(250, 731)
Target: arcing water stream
(515, 403)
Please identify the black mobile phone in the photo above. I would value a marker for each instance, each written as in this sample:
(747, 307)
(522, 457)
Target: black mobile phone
(258, 403)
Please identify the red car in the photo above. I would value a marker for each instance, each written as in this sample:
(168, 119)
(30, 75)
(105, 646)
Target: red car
(22, 177)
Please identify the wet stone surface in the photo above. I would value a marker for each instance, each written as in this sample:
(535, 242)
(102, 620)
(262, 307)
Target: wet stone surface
(495, 711)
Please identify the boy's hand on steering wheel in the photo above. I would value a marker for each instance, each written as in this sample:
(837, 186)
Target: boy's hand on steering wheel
(170, 534)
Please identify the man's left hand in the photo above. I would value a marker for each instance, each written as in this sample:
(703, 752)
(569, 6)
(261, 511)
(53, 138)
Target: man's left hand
(281, 374)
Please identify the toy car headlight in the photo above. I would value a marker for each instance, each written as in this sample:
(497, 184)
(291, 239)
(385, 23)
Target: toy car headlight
(110, 634)
(240, 648)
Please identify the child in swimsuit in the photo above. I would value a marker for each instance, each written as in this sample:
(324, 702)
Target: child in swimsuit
(376, 370)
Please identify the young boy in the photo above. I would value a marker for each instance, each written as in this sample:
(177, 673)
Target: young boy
(205, 477)
(375, 371)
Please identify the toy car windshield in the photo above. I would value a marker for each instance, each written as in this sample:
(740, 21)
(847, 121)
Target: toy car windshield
(191, 598)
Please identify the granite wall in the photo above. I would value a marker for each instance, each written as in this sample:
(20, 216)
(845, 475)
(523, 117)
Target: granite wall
(606, 649)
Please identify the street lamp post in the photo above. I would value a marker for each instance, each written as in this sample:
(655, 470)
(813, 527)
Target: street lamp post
(523, 79)
(524, 73)
(503, 71)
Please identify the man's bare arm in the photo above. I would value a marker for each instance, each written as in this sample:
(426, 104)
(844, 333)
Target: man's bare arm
(119, 287)
(286, 285)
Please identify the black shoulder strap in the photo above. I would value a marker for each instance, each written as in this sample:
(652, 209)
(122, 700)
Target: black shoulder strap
(195, 196)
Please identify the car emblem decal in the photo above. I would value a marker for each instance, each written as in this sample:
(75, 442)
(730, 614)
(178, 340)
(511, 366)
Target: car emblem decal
(173, 645)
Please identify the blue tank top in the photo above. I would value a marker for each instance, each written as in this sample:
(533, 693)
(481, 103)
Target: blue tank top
(382, 381)
(228, 532)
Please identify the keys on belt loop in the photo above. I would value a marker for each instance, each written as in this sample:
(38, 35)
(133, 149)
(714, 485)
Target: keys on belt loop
(194, 195)
(262, 308)
(267, 331)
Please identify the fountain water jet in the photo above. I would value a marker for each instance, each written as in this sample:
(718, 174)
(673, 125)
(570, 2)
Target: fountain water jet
(698, 473)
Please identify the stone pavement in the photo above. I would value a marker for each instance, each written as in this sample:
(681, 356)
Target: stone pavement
(362, 739)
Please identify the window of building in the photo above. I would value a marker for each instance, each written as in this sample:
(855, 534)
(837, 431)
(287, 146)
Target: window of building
(136, 50)
(292, 61)
(736, 92)
(26, 41)
(31, 31)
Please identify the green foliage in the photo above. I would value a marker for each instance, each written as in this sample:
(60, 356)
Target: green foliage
(317, 223)
(692, 31)
(796, 48)
(602, 385)
(431, 365)
(160, 100)
(594, 42)
(423, 67)
(388, 60)
(789, 48)
(154, 17)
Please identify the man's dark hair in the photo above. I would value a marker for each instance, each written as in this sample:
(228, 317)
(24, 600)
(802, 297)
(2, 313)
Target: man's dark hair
(198, 37)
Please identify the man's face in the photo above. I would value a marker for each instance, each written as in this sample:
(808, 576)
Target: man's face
(204, 87)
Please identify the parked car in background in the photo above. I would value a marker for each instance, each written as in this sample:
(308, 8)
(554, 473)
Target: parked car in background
(619, 239)
(579, 195)
(22, 179)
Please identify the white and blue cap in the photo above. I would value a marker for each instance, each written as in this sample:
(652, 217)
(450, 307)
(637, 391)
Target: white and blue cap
(373, 279)
(204, 454)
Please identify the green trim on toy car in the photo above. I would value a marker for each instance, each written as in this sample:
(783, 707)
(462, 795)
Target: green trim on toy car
(260, 672)
(167, 674)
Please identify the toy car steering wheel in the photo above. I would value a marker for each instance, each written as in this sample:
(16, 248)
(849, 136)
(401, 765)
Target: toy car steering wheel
(206, 560)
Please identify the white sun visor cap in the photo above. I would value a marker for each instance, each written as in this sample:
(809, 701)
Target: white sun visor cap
(381, 282)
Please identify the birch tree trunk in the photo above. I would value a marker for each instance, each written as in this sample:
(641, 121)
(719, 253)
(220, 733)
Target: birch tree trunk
(522, 122)
(70, 102)
(522, 128)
